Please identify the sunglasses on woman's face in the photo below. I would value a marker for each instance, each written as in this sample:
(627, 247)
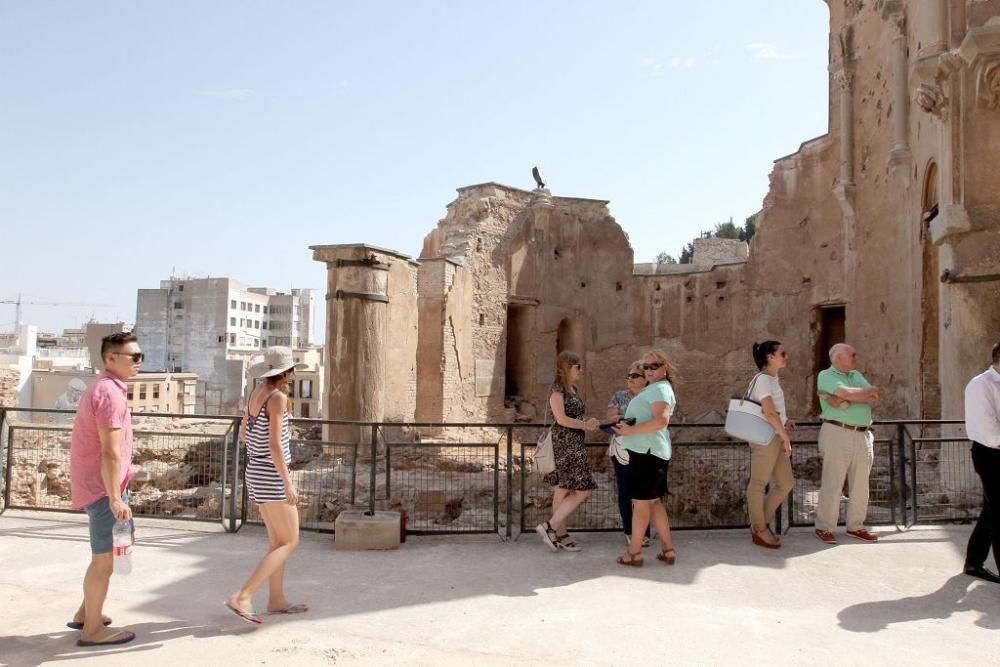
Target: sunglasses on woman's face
(634, 376)
(652, 367)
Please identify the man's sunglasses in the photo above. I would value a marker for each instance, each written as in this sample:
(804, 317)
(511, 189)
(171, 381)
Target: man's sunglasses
(634, 376)
(137, 357)
(652, 367)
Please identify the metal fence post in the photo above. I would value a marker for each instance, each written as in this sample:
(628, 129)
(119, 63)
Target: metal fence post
(225, 481)
(3, 456)
(496, 488)
(510, 480)
(236, 480)
(913, 478)
(901, 447)
(371, 479)
(8, 474)
(523, 499)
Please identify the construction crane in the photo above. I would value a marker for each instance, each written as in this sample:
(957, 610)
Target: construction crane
(17, 303)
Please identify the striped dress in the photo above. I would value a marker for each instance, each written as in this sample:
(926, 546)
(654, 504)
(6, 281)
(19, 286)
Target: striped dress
(264, 484)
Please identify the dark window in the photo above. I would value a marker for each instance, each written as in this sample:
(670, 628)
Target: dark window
(156, 391)
(305, 410)
(832, 330)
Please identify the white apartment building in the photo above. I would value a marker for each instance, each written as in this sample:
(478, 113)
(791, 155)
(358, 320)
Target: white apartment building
(213, 326)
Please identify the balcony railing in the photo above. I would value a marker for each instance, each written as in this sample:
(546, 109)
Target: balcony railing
(473, 477)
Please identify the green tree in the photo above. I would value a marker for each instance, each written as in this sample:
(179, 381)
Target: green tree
(749, 228)
(664, 258)
(726, 230)
(687, 253)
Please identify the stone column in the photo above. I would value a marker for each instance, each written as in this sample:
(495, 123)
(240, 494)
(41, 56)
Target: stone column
(356, 315)
(893, 11)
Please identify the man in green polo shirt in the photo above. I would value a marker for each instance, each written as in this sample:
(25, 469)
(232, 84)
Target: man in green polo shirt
(846, 444)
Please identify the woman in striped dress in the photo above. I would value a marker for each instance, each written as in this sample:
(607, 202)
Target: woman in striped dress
(269, 484)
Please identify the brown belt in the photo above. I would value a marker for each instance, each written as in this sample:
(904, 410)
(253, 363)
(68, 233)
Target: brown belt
(849, 427)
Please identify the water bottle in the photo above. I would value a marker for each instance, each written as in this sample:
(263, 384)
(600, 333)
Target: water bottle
(122, 540)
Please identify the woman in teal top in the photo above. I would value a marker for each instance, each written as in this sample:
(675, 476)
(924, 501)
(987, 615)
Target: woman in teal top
(648, 443)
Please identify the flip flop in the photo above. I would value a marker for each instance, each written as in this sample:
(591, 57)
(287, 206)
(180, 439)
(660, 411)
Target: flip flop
(248, 616)
(292, 609)
(73, 625)
(117, 637)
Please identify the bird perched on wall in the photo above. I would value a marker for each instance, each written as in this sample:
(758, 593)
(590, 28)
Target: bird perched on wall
(539, 177)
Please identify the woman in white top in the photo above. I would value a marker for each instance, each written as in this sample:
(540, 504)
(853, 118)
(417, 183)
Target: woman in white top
(774, 458)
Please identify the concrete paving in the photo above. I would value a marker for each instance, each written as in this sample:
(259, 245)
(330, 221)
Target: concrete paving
(474, 600)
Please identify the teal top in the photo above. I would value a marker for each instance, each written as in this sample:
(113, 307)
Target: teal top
(828, 382)
(641, 407)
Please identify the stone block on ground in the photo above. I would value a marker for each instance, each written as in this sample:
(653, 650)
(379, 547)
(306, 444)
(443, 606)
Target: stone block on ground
(357, 530)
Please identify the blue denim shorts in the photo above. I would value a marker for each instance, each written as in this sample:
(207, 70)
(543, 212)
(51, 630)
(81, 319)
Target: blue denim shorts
(102, 522)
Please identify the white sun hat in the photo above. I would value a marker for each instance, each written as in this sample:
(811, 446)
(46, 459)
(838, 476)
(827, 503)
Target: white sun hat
(277, 360)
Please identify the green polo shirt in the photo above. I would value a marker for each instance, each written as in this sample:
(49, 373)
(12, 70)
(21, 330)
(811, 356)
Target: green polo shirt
(855, 414)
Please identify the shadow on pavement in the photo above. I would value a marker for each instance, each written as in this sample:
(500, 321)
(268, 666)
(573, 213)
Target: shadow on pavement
(960, 593)
(26, 650)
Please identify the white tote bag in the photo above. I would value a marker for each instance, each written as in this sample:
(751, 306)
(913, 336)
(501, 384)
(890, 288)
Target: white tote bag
(545, 457)
(745, 418)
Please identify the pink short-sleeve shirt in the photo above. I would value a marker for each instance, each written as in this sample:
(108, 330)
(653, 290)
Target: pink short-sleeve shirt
(103, 405)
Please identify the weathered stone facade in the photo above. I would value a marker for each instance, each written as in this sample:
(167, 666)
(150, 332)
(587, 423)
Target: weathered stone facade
(885, 232)
(10, 381)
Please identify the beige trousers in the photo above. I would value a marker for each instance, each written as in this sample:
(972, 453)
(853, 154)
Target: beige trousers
(767, 461)
(845, 454)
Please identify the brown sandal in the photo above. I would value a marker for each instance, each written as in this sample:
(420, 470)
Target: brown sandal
(634, 559)
(668, 559)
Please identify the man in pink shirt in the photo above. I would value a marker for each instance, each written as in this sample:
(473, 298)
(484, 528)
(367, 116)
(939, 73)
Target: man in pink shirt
(100, 464)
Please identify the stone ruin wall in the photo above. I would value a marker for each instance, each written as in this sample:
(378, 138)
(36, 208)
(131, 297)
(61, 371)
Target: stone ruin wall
(471, 238)
(712, 251)
(401, 342)
(10, 379)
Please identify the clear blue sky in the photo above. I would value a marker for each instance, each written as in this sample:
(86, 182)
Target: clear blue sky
(223, 138)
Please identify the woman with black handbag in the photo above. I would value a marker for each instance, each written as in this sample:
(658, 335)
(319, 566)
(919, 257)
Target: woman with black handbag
(571, 478)
(635, 381)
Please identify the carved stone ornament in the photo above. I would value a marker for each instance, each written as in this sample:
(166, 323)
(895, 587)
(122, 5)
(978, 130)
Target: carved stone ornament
(843, 79)
(894, 11)
(931, 99)
(988, 83)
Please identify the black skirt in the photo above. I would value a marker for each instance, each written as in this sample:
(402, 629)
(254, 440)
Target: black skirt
(647, 476)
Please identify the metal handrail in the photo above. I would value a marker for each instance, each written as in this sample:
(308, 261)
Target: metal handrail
(903, 505)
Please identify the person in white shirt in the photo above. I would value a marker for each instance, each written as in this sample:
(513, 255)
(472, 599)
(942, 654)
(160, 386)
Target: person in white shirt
(982, 425)
(771, 460)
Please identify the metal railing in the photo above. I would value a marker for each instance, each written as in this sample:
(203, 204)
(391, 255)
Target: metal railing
(473, 477)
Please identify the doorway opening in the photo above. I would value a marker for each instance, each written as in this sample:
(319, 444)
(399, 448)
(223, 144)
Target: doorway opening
(517, 374)
(832, 321)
